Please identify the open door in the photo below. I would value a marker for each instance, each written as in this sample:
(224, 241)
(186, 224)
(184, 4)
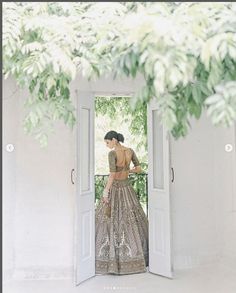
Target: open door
(85, 193)
(160, 260)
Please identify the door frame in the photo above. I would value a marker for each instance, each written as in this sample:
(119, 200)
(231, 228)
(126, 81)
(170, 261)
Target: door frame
(114, 94)
(119, 93)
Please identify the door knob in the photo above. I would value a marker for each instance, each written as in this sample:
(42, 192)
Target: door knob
(71, 176)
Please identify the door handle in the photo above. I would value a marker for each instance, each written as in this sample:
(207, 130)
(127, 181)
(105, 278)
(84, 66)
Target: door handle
(173, 174)
(71, 176)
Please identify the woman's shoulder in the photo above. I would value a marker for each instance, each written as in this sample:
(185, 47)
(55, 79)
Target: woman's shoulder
(127, 148)
(130, 149)
(113, 152)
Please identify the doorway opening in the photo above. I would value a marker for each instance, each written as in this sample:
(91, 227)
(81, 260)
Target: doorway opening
(113, 112)
(128, 197)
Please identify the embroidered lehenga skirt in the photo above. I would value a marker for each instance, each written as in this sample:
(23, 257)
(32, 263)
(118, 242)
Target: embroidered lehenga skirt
(122, 238)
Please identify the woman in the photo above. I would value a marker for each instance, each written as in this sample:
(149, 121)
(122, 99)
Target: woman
(122, 236)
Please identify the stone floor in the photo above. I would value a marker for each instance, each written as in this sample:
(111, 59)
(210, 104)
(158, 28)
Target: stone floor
(208, 279)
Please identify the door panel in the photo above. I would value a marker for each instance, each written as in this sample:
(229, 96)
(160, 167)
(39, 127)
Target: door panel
(160, 261)
(85, 193)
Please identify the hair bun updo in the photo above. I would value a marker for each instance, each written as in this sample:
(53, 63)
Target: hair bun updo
(120, 137)
(113, 134)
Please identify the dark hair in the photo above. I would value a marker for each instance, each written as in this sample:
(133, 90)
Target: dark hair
(113, 134)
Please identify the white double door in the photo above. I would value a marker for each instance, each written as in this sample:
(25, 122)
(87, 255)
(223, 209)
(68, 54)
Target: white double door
(160, 261)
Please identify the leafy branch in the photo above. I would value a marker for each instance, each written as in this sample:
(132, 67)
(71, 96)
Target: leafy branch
(186, 53)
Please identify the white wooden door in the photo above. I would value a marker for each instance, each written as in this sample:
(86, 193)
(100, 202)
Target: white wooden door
(160, 260)
(85, 191)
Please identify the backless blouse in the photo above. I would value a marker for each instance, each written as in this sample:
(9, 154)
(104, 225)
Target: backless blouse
(119, 162)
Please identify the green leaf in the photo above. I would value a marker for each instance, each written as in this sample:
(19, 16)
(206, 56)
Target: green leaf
(196, 94)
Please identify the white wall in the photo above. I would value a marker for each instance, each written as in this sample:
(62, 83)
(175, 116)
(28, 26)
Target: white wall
(10, 120)
(204, 226)
(39, 198)
(226, 186)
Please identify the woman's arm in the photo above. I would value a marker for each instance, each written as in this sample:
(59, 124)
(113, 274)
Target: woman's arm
(112, 167)
(136, 169)
(110, 180)
(107, 188)
(135, 160)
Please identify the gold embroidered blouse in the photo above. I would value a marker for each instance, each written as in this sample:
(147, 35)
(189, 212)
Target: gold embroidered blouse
(119, 161)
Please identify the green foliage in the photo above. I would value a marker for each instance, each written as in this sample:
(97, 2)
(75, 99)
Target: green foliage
(186, 53)
(122, 106)
(223, 103)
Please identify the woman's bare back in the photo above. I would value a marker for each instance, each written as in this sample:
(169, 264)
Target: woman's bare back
(124, 156)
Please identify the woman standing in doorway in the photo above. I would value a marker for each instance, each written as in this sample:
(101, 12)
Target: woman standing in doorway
(121, 235)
